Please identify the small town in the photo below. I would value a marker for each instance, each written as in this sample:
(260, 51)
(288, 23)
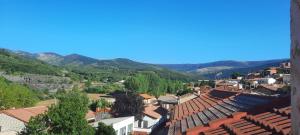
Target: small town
(149, 67)
(259, 100)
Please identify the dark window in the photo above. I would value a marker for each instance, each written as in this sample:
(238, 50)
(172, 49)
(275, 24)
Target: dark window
(145, 124)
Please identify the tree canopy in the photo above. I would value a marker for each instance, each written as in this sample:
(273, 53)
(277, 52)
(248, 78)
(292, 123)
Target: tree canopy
(150, 82)
(105, 130)
(129, 104)
(67, 117)
(15, 95)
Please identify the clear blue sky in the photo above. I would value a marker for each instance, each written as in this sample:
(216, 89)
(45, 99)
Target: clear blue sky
(153, 31)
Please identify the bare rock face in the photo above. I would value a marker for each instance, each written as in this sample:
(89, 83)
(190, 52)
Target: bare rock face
(295, 63)
(41, 82)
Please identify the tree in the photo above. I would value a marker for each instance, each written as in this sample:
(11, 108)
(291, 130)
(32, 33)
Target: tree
(151, 82)
(36, 126)
(129, 104)
(102, 104)
(67, 117)
(105, 130)
(15, 95)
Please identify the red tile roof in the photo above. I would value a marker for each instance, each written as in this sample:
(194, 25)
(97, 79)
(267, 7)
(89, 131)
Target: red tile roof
(151, 111)
(273, 122)
(215, 106)
(146, 96)
(90, 115)
(199, 104)
(259, 121)
(24, 114)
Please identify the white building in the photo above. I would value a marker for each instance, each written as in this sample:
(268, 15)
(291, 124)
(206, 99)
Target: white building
(153, 117)
(267, 81)
(122, 125)
(14, 120)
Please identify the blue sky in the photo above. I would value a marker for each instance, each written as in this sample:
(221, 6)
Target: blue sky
(153, 31)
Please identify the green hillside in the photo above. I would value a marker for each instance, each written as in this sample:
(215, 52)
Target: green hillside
(13, 63)
(80, 67)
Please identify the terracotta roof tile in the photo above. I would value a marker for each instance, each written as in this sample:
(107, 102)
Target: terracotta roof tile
(146, 96)
(269, 122)
(205, 110)
(24, 114)
(154, 111)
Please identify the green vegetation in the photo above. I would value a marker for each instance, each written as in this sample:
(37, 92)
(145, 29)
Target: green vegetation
(150, 82)
(129, 104)
(105, 130)
(210, 83)
(68, 117)
(102, 104)
(13, 63)
(105, 88)
(15, 95)
(184, 91)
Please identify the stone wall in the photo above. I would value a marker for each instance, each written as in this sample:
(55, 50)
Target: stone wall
(295, 63)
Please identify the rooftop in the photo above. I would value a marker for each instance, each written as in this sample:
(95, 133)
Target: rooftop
(216, 105)
(113, 120)
(169, 99)
(146, 96)
(24, 114)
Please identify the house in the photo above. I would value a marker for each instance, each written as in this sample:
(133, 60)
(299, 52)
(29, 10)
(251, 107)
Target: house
(233, 85)
(153, 117)
(271, 71)
(168, 101)
(187, 97)
(122, 125)
(253, 75)
(266, 89)
(285, 65)
(267, 81)
(13, 121)
(202, 89)
(148, 99)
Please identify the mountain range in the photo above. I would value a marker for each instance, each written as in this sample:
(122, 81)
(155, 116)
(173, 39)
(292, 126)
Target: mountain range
(121, 67)
(223, 69)
(95, 69)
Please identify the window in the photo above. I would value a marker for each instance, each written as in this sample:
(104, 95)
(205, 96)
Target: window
(145, 124)
(123, 131)
(130, 129)
(140, 124)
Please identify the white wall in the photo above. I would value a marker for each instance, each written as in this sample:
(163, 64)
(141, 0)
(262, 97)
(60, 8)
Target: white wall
(152, 123)
(9, 123)
(125, 123)
(267, 81)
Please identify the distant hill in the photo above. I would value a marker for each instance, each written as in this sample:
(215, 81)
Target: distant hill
(115, 69)
(224, 68)
(11, 62)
